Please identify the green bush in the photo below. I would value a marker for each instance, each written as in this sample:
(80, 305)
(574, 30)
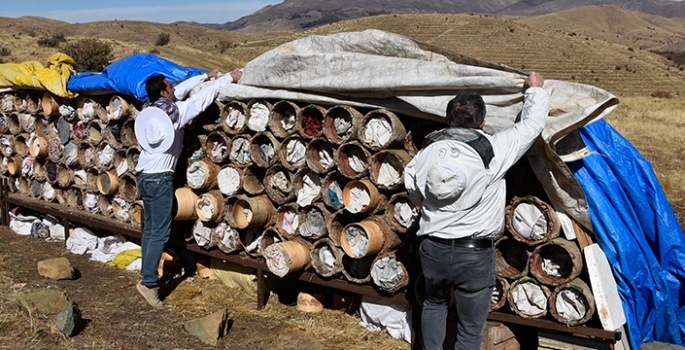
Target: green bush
(52, 41)
(91, 55)
(4, 52)
(163, 39)
(224, 45)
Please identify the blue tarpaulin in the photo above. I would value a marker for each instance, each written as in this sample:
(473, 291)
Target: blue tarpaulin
(128, 75)
(638, 231)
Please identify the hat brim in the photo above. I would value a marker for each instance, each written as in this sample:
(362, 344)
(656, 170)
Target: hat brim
(157, 118)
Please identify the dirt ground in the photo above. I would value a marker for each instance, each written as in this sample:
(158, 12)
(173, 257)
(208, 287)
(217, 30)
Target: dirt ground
(118, 318)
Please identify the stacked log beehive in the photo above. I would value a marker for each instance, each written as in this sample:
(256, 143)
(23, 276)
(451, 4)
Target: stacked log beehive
(301, 185)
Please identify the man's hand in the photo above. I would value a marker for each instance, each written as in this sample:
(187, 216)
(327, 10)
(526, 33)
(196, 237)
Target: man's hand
(236, 74)
(534, 80)
(212, 73)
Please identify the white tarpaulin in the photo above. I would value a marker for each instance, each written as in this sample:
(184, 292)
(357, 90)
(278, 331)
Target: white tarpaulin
(376, 69)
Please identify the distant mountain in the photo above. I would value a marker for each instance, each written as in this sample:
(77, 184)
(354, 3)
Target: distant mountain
(298, 15)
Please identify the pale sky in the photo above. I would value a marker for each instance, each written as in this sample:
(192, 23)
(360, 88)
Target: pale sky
(167, 11)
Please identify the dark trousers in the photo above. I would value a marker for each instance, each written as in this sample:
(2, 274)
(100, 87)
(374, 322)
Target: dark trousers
(471, 272)
(157, 192)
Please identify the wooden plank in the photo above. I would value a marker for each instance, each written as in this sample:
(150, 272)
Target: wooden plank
(608, 336)
(582, 235)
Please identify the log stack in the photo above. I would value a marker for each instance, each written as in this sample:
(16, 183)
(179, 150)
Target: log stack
(299, 185)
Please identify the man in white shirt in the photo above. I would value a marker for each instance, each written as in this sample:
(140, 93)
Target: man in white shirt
(159, 130)
(458, 181)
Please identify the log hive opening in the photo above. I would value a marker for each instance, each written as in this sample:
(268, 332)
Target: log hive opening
(338, 221)
(63, 130)
(202, 175)
(120, 162)
(92, 176)
(387, 168)
(210, 206)
(361, 196)
(87, 109)
(14, 164)
(233, 115)
(128, 134)
(71, 152)
(240, 150)
(121, 209)
(38, 147)
(229, 180)
(13, 123)
(105, 157)
(65, 176)
(86, 155)
(264, 149)
(48, 192)
(227, 238)
(75, 198)
(258, 115)
(313, 221)
(382, 129)
(292, 152)
(119, 108)
(50, 104)
(341, 123)
(7, 145)
(21, 146)
(531, 220)
(55, 150)
(332, 189)
(252, 212)
(528, 299)
(51, 172)
(556, 262)
(353, 160)
(511, 258)
(44, 126)
(320, 155)
(228, 208)
(128, 187)
(282, 118)
(105, 207)
(310, 121)
(401, 214)
(80, 131)
(202, 234)
(253, 180)
(27, 167)
(357, 270)
(112, 135)
(136, 212)
(39, 170)
(217, 146)
(326, 258)
(388, 273)
(362, 239)
(91, 201)
(307, 187)
(94, 132)
(132, 155)
(288, 220)
(285, 257)
(269, 237)
(250, 240)
(499, 293)
(572, 303)
(108, 182)
(278, 184)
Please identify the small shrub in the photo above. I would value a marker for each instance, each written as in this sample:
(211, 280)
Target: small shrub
(52, 41)
(154, 51)
(661, 94)
(4, 52)
(91, 55)
(163, 39)
(224, 45)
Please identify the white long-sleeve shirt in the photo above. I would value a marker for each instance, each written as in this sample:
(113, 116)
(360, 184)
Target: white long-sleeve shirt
(486, 217)
(187, 110)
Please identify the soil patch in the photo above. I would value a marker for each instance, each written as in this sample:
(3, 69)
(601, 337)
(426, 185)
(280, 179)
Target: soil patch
(118, 318)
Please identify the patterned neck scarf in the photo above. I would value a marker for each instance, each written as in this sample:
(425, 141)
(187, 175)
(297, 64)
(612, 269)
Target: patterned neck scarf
(168, 106)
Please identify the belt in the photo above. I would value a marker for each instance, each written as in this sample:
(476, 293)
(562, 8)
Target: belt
(464, 242)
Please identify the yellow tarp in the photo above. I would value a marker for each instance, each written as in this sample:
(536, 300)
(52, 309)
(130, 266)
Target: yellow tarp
(125, 258)
(31, 74)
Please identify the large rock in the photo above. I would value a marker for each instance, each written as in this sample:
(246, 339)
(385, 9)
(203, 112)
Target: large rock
(210, 328)
(55, 305)
(56, 269)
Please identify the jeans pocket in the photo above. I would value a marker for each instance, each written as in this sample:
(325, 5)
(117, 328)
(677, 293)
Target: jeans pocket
(480, 269)
(434, 269)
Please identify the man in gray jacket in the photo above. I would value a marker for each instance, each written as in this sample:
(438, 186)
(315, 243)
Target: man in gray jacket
(458, 181)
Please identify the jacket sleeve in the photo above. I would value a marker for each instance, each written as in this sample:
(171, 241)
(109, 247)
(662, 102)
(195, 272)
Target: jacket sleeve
(511, 144)
(196, 104)
(184, 87)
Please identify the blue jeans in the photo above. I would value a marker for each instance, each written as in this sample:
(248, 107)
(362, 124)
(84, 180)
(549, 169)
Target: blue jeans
(157, 191)
(471, 272)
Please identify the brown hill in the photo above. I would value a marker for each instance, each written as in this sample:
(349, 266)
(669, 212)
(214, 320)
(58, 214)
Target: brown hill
(616, 25)
(559, 53)
(298, 15)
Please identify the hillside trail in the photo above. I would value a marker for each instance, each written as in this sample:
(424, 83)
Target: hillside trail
(117, 317)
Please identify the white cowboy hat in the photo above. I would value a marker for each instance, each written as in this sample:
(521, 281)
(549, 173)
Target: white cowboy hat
(154, 130)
